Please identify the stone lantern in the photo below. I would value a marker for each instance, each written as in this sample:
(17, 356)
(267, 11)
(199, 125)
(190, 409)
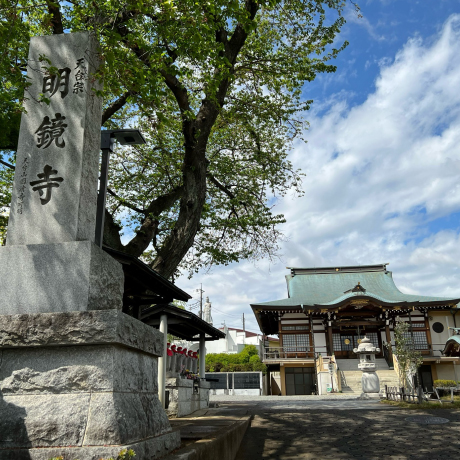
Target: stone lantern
(369, 380)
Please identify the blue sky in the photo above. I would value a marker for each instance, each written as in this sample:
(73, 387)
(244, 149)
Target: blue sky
(382, 163)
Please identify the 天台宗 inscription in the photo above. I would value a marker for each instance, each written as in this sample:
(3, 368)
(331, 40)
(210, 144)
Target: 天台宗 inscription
(59, 142)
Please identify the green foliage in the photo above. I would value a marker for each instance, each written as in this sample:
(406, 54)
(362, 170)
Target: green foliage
(409, 359)
(245, 361)
(124, 454)
(424, 406)
(446, 383)
(217, 89)
(179, 304)
(6, 178)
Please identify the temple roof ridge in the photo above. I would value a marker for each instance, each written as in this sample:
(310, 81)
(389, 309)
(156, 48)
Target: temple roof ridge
(339, 269)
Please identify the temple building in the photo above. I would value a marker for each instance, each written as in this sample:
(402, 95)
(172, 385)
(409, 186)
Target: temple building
(326, 314)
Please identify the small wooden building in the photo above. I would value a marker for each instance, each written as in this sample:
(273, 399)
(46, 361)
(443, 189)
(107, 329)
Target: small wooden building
(326, 313)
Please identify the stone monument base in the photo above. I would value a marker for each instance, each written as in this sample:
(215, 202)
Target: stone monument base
(64, 277)
(186, 396)
(80, 385)
(146, 450)
(370, 396)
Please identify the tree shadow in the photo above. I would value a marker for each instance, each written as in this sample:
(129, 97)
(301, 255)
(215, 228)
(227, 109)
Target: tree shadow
(347, 434)
(14, 439)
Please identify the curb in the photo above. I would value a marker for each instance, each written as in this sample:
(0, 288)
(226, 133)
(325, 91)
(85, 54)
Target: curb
(222, 445)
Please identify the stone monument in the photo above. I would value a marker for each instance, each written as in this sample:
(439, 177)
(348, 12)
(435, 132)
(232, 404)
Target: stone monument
(78, 378)
(369, 380)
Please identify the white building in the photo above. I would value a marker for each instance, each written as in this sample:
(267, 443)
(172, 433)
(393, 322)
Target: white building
(234, 341)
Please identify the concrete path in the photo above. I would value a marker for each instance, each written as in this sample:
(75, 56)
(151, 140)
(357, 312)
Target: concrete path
(313, 427)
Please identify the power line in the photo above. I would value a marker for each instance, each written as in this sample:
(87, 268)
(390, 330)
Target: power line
(228, 314)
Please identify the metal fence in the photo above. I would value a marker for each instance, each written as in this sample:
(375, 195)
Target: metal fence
(235, 382)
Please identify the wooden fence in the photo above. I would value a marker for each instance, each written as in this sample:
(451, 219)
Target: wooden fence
(403, 394)
(418, 396)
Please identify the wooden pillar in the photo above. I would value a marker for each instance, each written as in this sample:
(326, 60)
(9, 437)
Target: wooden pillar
(388, 338)
(267, 383)
(330, 340)
(428, 334)
(202, 356)
(314, 353)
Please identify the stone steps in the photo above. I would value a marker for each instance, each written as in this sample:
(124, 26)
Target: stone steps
(351, 376)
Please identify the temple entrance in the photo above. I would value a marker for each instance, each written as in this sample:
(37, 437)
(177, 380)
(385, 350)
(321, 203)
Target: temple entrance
(345, 340)
(426, 377)
(299, 380)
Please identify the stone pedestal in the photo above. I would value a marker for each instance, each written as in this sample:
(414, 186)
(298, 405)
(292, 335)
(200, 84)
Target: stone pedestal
(81, 385)
(184, 399)
(370, 382)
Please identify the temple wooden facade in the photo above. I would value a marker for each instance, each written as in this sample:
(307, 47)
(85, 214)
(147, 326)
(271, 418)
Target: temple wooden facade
(327, 312)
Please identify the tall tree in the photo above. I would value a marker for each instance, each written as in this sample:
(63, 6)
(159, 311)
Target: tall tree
(217, 87)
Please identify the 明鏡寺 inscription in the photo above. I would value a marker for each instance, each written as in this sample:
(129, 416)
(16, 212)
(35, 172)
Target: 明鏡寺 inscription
(51, 83)
(46, 183)
(51, 130)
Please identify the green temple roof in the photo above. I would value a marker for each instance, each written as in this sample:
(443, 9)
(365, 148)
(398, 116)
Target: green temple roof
(333, 286)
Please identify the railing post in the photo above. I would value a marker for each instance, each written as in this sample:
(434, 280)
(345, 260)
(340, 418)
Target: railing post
(386, 391)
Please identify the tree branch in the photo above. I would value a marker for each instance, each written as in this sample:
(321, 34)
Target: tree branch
(7, 164)
(172, 82)
(149, 226)
(164, 202)
(180, 93)
(220, 186)
(123, 202)
(116, 105)
(56, 17)
(143, 238)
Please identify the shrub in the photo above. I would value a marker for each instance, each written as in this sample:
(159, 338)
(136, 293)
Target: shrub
(445, 383)
(245, 361)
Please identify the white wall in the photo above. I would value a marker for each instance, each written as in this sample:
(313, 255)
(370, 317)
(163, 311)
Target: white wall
(439, 339)
(446, 371)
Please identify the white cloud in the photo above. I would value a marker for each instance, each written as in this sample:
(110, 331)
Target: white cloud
(382, 180)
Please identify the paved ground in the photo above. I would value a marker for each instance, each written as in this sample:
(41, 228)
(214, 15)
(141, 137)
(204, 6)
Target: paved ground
(339, 428)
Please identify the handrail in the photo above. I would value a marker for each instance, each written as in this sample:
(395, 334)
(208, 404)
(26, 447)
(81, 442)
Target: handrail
(388, 356)
(292, 352)
(343, 378)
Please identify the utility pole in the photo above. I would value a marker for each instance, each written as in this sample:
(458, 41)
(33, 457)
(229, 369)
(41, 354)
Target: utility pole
(201, 299)
(244, 331)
